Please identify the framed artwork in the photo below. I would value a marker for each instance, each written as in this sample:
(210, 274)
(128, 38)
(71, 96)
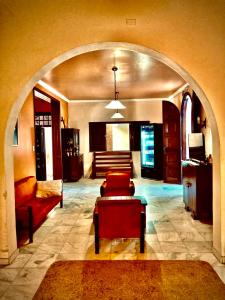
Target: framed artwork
(15, 135)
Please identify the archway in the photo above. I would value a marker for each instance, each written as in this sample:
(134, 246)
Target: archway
(8, 160)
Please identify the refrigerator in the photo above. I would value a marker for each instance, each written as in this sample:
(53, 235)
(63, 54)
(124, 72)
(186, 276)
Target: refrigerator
(152, 151)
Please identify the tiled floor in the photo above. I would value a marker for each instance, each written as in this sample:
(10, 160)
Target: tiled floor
(68, 234)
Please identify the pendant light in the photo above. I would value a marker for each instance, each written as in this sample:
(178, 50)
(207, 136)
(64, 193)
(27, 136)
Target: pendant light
(115, 104)
(117, 115)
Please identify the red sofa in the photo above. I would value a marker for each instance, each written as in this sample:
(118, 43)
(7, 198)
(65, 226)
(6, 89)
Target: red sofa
(32, 211)
(117, 184)
(119, 218)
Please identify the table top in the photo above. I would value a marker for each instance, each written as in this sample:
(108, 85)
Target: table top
(143, 200)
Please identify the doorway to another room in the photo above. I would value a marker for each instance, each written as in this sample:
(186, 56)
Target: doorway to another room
(47, 136)
(117, 137)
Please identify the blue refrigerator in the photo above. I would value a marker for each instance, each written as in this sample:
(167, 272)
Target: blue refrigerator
(152, 151)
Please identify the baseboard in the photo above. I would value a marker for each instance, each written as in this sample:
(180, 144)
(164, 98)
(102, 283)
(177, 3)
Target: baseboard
(9, 260)
(220, 258)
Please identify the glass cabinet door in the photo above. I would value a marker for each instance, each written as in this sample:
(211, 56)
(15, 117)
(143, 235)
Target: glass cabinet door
(147, 146)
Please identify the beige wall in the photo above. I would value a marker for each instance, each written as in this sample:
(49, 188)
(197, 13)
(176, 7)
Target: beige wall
(80, 114)
(189, 34)
(24, 155)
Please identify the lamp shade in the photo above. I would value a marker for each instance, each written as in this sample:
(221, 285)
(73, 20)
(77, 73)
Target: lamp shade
(115, 104)
(117, 115)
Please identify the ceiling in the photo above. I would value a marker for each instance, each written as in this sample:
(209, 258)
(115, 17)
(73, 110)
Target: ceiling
(90, 77)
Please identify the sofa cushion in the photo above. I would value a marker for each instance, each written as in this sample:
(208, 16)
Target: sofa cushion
(49, 188)
(25, 190)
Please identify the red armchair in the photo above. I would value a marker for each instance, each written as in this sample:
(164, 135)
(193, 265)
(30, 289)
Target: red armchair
(117, 184)
(119, 219)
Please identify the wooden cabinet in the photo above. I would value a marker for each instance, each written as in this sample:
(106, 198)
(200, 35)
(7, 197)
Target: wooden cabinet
(72, 168)
(197, 189)
(71, 158)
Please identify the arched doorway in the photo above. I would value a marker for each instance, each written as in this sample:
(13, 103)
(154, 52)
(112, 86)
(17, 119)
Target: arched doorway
(93, 47)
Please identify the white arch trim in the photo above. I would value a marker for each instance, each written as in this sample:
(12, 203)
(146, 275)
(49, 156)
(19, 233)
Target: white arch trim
(8, 160)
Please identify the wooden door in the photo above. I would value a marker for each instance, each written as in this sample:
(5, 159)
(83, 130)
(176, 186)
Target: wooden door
(56, 140)
(171, 143)
(97, 136)
(40, 153)
(135, 134)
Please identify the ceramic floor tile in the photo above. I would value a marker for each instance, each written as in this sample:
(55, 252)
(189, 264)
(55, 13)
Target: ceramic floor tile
(3, 287)
(150, 229)
(8, 275)
(19, 262)
(45, 248)
(177, 256)
(151, 237)
(70, 256)
(54, 238)
(220, 270)
(29, 248)
(19, 292)
(207, 256)
(191, 236)
(82, 230)
(79, 237)
(198, 246)
(61, 229)
(183, 225)
(75, 247)
(30, 276)
(207, 236)
(160, 217)
(125, 246)
(152, 247)
(163, 227)
(168, 236)
(41, 261)
(169, 247)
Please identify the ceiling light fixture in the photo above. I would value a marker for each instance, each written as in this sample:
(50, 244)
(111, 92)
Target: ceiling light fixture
(117, 115)
(115, 104)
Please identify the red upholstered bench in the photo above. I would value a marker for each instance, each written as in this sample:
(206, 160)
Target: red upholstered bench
(31, 211)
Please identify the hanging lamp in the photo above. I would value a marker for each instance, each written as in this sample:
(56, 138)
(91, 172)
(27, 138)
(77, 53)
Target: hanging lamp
(115, 104)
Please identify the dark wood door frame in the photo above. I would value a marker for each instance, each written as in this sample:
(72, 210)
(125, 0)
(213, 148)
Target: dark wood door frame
(183, 123)
(56, 140)
(171, 143)
(56, 135)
